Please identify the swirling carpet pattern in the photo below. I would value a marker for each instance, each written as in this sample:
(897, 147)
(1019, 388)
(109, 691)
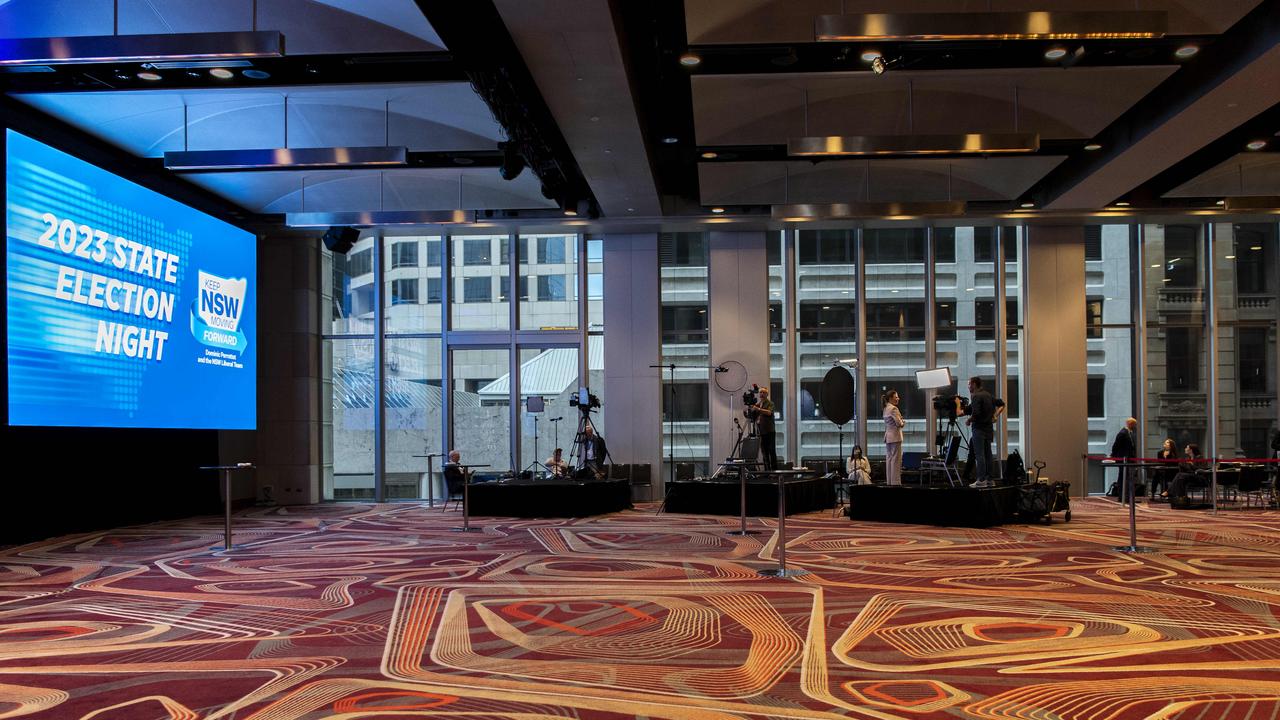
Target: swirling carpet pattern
(383, 611)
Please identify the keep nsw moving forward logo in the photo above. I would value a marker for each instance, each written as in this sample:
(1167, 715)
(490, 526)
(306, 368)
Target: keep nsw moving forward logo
(215, 314)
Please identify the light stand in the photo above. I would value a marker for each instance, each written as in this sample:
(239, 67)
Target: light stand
(671, 420)
(555, 423)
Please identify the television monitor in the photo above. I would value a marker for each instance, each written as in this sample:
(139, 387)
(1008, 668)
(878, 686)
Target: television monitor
(125, 307)
(934, 378)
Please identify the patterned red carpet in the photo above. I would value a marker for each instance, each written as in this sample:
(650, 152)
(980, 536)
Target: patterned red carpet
(367, 611)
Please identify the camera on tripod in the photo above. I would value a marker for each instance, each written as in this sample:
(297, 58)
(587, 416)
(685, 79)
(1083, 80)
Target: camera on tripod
(949, 406)
(584, 400)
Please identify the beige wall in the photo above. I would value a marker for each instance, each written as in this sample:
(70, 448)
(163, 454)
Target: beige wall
(1055, 377)
(739, 291)
(286, 446)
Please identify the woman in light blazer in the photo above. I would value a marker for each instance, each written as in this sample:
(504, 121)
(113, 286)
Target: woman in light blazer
(893, 424)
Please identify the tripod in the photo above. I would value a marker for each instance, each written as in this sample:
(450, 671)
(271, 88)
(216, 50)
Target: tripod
(536, 462)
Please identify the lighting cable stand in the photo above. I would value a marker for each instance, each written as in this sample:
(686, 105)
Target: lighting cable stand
(226, 503)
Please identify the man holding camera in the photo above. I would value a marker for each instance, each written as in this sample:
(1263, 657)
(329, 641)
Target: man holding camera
(765, 426)
(983, 411)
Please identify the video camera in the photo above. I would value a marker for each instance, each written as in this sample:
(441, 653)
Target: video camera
(584, 400)
(946, 405)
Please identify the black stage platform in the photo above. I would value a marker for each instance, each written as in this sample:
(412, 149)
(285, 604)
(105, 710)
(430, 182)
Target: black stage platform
(948, 506)
(549, 498)
(717, 497)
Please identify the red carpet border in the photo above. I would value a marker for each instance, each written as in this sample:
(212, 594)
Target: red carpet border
(382, 611)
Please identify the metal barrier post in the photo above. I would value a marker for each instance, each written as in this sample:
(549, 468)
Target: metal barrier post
(226, 499)
(1129, 488)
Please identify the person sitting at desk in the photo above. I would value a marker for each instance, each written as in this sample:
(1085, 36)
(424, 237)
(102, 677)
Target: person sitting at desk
(1164, 474)
(1186, 476)
(594, 453)
(557, 466)
(858, 468)
(454, 476)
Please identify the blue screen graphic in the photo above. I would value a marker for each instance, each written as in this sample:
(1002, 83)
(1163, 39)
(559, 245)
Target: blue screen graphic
(126, 308)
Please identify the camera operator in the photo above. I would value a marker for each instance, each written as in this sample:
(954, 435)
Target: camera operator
(983, 411)
(594, 453)
(765, 426)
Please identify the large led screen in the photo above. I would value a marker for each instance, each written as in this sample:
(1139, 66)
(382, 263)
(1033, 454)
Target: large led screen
(125, 308)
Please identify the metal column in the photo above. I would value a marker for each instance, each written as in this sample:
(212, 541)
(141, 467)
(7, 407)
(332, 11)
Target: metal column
(790, 349)
(1211, 328)
(513, 358)
(446, 361)
(860, 298)
(584, 318)
(1002, 343)
(379, 373)
(930, 332)
(1138, 300)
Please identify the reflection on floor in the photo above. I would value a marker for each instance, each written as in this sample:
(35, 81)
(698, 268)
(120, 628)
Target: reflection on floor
(364, 611)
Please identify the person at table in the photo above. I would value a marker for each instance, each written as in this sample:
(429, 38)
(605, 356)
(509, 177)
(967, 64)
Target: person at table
(557, 466)
(1186, 476)
(893, 424)
(594, 453)
(858, 468)
(1164, 474)
(765, 427)
(454, 475)
(1124, 448)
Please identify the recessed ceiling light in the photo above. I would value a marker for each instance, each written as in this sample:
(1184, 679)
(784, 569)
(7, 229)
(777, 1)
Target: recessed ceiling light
(256, 74)
(1255, 247)
(570, 212)
(1027, 205)
(631, 209)
(690, 59)
(826, 307)
(709, 155)
(1221, 202)
(1122, 203)
(1091, 147)
(222, 73)
(1186, 51)
(870, 55)
(1055, 53)
(670, 140)
(149, 76)
(717, 210)
(1256, 145)
(1230, 257)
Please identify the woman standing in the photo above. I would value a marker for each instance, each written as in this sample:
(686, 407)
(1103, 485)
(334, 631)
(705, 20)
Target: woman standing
(893, 424)
(858, 468)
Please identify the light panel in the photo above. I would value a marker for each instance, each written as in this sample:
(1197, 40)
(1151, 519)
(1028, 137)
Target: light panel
(379, 218)
(287, 158)
(140, 48)
(1126, 24)
(957, 144)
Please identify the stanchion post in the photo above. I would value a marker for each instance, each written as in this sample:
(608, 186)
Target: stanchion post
(466, 500)
(742, 502)
(782, 570)
(226, 499)
(1133, 546)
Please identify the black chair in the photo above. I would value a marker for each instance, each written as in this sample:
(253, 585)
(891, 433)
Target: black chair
(686, 470)
(1253, 485)
(454, 481)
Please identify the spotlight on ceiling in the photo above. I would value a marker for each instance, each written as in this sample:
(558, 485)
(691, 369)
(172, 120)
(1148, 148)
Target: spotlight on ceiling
(1055, 53)
(879, 65)
(340, 239)
(149, 76)
(1186, 51)
(1121, 203)
(958, 144)
(256, 74)
(709, 155)
(690, 60)
(717, 210)
(1093, 147)
(1027, 205)
(1255, 145)
(671, 140)
(222, 73)
(512, 162)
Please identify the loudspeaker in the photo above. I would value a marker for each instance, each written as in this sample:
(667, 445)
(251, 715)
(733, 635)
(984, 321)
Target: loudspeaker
(836, 395)
(340, 239)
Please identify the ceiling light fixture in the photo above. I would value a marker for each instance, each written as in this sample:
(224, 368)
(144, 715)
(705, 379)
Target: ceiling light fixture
(798, 212)
(1055, 53)
(222, 73)
(870, 56)
(671, 140)
(717, 210)
(1254, 145)
(879, 65)
(1027, 205)
(278, 158)
(690, 60)
(1255, 248)
(149, 76)
(1221, 202)
(991, 26)
(958, 144)
(570, 212)
(87, 49)
(709, 155)
(379, 218)
(255, 74)
(1186, 51)
(1122, 203)
(1229, 257)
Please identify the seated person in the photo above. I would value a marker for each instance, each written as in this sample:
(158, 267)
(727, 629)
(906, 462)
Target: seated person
(1186, 476)
(557, 466)
(594, 454)
(1162, 478)
(858, 467)
(454, 474)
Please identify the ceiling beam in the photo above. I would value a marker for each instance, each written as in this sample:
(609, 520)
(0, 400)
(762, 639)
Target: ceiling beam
(1226, 85)
(487, 54)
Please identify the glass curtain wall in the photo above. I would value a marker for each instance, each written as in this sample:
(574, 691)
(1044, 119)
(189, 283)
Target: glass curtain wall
(964, 297)
(347, 317)
(1109, 300)
(1174, 298)
(895, 268)
(595, 323)
(686, 426)
(1246, 282)
(826, 306)
(548, 288)
(481, 283)
(548, 378)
